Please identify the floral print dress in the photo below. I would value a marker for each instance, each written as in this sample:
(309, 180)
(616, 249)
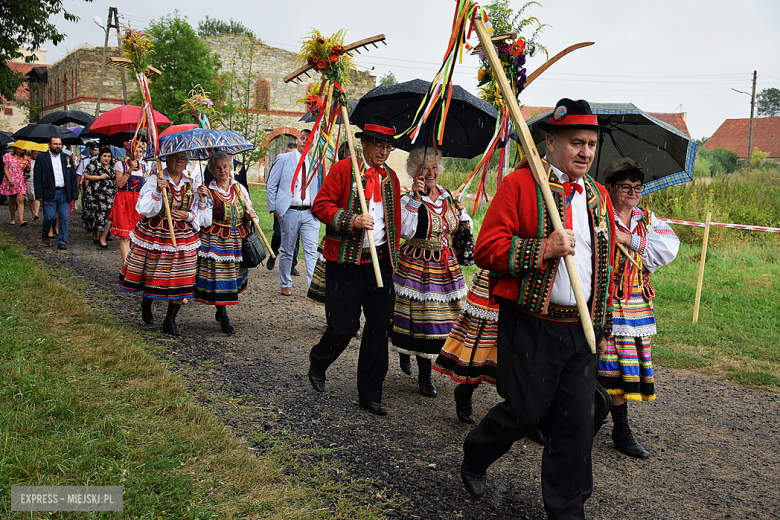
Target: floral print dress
(98, 196)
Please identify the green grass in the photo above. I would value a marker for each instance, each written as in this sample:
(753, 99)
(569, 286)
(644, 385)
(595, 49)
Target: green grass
(83, 403)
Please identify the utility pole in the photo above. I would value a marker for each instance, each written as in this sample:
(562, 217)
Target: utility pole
(113, 23)
(102, 63)
(752, 107)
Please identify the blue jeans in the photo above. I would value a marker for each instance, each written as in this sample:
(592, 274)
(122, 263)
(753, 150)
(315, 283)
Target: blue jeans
(60, 205)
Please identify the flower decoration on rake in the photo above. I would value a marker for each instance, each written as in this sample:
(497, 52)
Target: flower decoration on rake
(329, 57)
(136, 47)
(200, 106)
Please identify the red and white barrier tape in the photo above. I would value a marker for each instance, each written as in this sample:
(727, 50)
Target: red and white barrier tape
(734, 226)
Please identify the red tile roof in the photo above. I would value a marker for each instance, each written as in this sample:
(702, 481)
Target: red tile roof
(24, 68)
(674, 119)
(733, 134)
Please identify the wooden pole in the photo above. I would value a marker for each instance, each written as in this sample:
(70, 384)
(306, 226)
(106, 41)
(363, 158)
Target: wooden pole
(702, 261)
(165, 202)
(361, 196)
(257, 225)
(530, 151)
(627, 255)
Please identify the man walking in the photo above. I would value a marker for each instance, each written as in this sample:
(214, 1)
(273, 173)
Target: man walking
(289, 195)
(56, 184)
(276, 238)
(350, 282)
(545, 361)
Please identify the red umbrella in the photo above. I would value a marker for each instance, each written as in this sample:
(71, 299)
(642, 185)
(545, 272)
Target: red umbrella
(175, 129)
(123, 119)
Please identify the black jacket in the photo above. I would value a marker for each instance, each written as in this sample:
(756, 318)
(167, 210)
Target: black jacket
(43, 174)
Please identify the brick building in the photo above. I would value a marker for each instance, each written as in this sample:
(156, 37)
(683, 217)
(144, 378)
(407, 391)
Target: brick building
(13, 115)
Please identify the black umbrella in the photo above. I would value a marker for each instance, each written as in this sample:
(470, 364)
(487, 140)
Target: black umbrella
(62, 117)
(41, 133)
(665, 154)
(470, 124)
(5, 139)
(310, 117)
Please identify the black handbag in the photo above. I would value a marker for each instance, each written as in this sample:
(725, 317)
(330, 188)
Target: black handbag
(252, 250)
(463, 244)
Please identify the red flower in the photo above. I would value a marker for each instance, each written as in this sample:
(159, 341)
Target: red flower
(518, 47)
(320, 40)
(322, 64)
(334, 58)
(338, 50)
(312, 60)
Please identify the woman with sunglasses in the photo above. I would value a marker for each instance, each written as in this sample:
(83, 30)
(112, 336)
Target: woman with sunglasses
(626, 369)
(154, 266)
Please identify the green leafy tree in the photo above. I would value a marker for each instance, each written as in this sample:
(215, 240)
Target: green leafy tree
(27, 25)
(768, 102)
(215, 27)
(185, 61)
(388, 79)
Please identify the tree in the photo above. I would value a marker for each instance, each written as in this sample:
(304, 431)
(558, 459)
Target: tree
(185, 61)
(215, 27)
(388, 79)
(28, 25)
(768, 102)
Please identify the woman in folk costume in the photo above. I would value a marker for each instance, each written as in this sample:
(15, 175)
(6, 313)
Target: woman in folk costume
(221, 278)
(154, 266)
(626, 370)
(130, 178)
(429, 285)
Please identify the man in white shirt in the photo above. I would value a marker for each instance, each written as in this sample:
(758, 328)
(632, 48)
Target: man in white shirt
(290, 193)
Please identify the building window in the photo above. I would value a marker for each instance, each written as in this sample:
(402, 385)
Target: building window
(8, 111)
(262, 95)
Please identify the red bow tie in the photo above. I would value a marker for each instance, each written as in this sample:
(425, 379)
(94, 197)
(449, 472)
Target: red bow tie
(373, 188)
(568, 186)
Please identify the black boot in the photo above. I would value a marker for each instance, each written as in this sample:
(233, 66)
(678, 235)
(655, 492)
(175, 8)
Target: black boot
(427, 388)
(218, 313)
(463, 407)
(621, 434)
(169, 325)
(227, 328)
(146, 310)
(405, 361)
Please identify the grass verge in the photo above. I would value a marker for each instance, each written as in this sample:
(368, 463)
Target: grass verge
(83, 403)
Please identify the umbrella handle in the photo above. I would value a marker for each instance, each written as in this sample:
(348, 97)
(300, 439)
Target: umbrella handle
(165, 203)
(530, 151)
(361, 196)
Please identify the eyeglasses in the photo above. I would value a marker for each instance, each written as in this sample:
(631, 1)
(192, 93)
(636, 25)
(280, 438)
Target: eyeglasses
(627, 188)
(383, 147)
(180, 159)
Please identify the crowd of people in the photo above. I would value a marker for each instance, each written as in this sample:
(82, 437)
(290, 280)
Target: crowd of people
(517, 326)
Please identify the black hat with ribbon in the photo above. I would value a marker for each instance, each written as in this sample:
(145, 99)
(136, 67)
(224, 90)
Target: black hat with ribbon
(571, 114)
(378, 127)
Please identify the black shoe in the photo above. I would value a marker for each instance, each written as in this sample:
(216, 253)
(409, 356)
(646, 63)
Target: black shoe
(317, 380)
(621, 434)
(270, 263)
(294, 272)
(224, 321)
(463, 407)
(405, 362)
(473, 480)
(374, 407)
(538, 437)
(169, 325)
(146, 310)
(96, 241)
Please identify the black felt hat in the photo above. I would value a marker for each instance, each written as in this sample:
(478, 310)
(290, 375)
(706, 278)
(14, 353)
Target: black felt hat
(379, 127)
(571, 114)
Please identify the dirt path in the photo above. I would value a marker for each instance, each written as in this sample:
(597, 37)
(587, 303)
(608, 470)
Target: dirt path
(715, 446)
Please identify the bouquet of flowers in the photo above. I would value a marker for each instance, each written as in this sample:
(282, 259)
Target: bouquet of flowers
(136, 48)
(512, 55)
(328, 56)
(312, 99)
(200, 106)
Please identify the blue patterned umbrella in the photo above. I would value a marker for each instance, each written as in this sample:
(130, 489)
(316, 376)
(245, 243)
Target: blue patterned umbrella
(665, 154)
(201, 143)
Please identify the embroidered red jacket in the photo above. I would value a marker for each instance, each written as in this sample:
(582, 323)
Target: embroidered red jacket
(514, 234)
(337, 205)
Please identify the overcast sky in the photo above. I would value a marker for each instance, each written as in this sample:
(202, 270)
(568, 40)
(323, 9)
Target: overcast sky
(663, 55)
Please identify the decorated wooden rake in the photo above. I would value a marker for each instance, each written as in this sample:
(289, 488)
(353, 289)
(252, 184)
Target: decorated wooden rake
(333, 60)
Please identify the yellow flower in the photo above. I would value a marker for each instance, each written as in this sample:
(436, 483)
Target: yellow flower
(481, 73)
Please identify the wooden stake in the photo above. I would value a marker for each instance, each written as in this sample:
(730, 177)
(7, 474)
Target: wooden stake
(165, 202)
(627, 255)
(702, 261)
(361, 196)
(530, 151)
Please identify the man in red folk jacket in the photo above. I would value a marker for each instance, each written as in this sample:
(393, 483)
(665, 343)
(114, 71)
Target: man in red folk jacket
(545, 363)
(350, 282)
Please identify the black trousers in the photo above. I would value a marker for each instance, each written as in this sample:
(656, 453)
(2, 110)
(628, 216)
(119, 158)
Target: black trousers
(348, 289)
(543, 366)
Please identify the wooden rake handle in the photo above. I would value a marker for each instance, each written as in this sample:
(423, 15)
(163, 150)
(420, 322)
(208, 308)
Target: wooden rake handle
(530, 151)
(165, 203)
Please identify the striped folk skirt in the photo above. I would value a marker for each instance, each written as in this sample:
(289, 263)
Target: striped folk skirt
(154, 266)
(429, 289)
(220, 276)
(627, 367)
(470, 354)
(316, 292)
